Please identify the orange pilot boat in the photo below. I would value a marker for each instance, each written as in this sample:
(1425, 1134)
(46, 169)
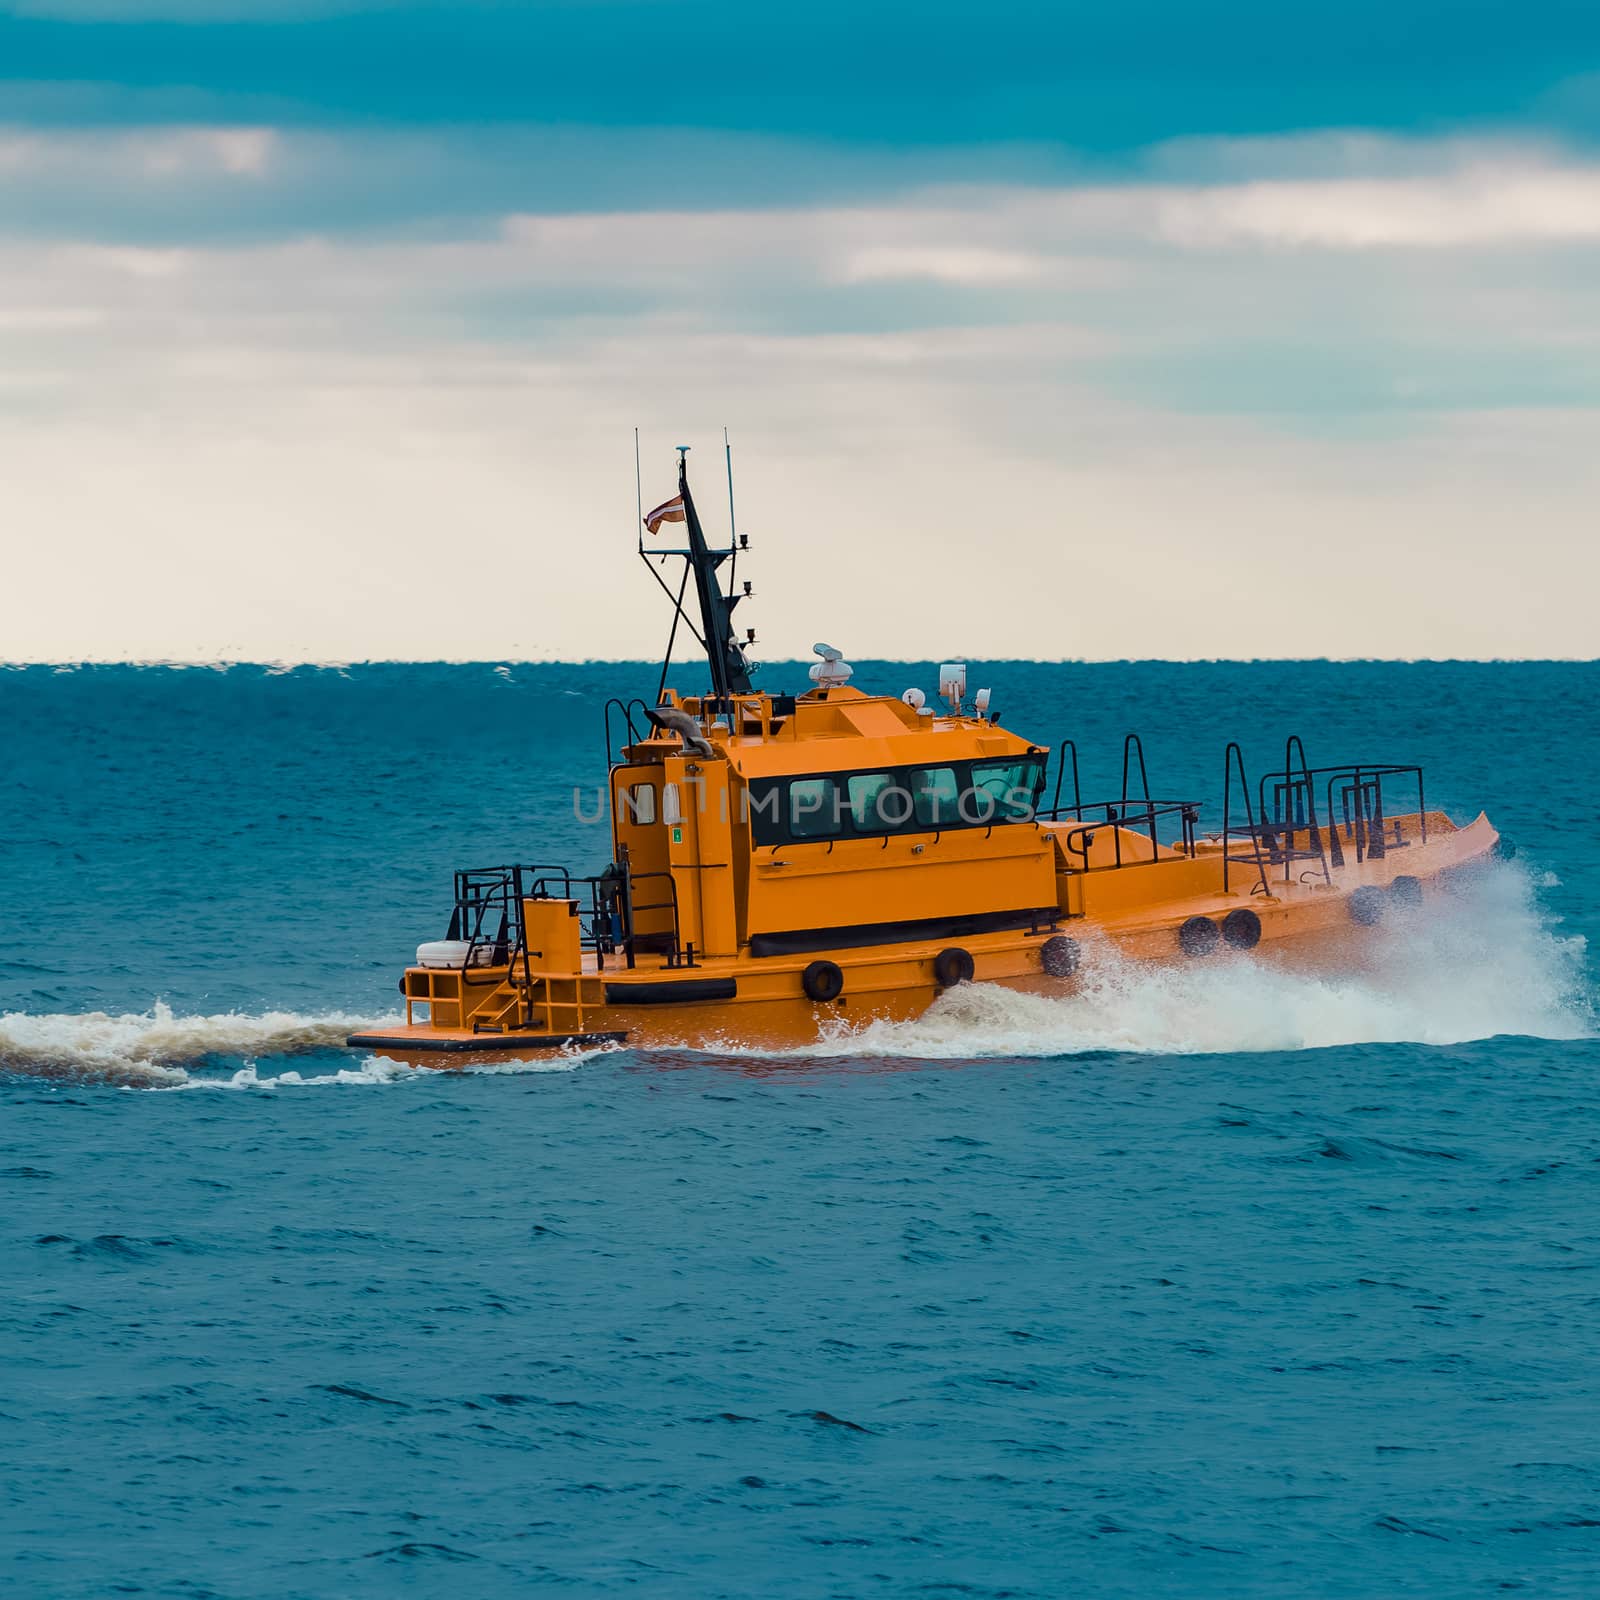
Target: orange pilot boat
(782, 863)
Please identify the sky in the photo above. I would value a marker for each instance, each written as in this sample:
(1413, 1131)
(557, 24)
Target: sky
(1040, 329)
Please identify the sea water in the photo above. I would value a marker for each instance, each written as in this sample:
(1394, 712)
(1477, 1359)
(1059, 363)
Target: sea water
(1205, 1280)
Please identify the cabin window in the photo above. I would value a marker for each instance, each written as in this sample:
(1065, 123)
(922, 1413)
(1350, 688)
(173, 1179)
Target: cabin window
(879, 802)
(1002, 791)
(814, 808)
(874, 804)
(639, 804)
(936, 793)
(763, 809)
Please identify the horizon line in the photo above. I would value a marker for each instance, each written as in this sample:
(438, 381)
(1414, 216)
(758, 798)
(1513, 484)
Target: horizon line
(285, 664)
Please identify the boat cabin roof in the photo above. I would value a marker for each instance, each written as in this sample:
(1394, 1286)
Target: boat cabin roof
(833, 730)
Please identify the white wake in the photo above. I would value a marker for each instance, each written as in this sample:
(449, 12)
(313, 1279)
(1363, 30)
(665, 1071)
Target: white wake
(380, 1069)
(1472, 965)
(1475, 964)
(157, 1046)
(157, 1049)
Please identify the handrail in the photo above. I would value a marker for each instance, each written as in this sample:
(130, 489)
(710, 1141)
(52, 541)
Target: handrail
(626, 708)
(1358, 826)
(1134, 745)
(1294, 781)
(1231, 756)
(478, 894)
(1367, 832)
(669, 904)
(1129, 808)
(481, 890)
(1115, 803)
(1061, 769)
(525, 1018)
(1079, 841)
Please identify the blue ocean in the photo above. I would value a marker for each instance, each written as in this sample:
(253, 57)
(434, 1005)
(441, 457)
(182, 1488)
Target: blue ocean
(1205, 1280)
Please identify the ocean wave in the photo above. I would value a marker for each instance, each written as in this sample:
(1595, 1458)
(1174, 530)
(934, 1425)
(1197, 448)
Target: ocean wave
(156, 1047)
(380, 1069)
(372, 1069)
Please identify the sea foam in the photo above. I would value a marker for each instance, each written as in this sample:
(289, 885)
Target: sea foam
(156, 1046)
(1481, 962)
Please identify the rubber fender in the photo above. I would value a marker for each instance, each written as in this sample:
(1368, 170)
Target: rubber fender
(1406, 890)
(1199, 936)
(1242, 928)
(1367, 905)
(671, 992)
(1060, 956)
(822, 980)
(953, 966)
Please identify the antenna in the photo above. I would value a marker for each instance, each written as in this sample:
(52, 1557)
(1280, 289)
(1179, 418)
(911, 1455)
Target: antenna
(730, 668)
(638, 492)
(733, 521)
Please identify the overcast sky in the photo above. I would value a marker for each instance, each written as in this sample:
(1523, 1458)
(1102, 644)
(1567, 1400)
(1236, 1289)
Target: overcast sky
(1047, 330)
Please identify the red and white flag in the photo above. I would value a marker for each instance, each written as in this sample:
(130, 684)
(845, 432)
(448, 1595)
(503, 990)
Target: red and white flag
(669, 511)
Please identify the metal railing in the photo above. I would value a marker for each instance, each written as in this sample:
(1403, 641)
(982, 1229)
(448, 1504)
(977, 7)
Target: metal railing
(1286, 829)
(1129, 810)
(625, 709)
(607, 911)
(1353, 790)
(1294, 812)
(1122, 820)
(1361, 801)
(1233, 758)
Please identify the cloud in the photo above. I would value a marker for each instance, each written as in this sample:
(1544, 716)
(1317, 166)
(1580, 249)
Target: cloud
(1005, 213)
(1489, 204)
(106, 181)
(144, 157)
(1156, 271)
(1140, 411)
(180, 511)
(947, 263)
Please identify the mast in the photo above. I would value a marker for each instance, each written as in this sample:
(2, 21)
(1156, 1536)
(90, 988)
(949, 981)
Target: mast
(730, 672)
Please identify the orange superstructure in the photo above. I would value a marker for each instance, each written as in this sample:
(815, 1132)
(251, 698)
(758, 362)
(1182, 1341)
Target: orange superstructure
(781, 860)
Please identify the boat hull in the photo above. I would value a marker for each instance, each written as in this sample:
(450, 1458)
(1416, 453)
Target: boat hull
(1305, 923)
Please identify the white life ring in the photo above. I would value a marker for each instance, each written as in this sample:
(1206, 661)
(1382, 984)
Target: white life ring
(452, 953)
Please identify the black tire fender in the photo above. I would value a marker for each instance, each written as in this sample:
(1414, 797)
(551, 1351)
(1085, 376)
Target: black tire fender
(1060, 956)
(1367, 905)
(1241, 928)
(1406, 891)
(1199, 936)
(822, 980)
(953, 966)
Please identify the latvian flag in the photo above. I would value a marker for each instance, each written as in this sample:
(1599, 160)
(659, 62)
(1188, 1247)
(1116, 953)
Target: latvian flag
(669, 511)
